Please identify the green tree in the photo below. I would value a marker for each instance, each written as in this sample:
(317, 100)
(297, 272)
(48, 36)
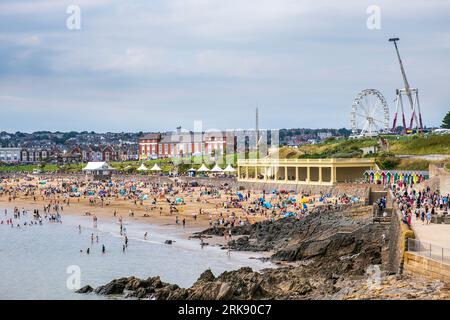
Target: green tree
(446, 121)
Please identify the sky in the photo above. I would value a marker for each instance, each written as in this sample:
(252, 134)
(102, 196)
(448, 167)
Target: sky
(154, 65)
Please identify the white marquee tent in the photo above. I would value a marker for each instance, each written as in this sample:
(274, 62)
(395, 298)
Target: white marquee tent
(142, 168)
(155, 167)
(97, 166)
(203, 168)
(229, 168)
(216, 168)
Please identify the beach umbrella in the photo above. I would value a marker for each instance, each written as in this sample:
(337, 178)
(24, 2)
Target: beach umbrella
(203, 168)
(155, 167)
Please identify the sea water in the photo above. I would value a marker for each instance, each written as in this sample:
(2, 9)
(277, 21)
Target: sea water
(38, 261)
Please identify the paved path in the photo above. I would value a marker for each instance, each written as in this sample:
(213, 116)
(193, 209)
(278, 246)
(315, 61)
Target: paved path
(436, 234)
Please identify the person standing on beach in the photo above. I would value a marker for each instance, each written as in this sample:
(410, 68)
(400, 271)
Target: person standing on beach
(184, 222)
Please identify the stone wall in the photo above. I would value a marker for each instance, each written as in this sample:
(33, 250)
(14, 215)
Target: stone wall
(398, 237)
(432, 269)
(360, 190)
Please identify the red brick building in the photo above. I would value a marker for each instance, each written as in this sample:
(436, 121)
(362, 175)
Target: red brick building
(178, 144)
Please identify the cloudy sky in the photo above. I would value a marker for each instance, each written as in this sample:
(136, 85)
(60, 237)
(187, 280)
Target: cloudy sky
(152, 65)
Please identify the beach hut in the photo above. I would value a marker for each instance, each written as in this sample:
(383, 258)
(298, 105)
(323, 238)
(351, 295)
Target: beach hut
(383, 177)
(366, 176)
(142, 168)
(203, 168)
(229, 169)
(155, 167)
(388, 177)
(377, 177)
(216, 169)
(396, 177)
(415, 178)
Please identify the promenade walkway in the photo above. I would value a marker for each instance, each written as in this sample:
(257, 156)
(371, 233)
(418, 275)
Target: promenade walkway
(436, 234)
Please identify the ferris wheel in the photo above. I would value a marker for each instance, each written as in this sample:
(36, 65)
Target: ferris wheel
(370, 114)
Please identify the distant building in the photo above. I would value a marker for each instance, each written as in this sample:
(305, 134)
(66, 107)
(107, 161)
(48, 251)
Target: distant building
(369, 150)
(180, 143)
(324, 135)
(10, 155)
(33, 155)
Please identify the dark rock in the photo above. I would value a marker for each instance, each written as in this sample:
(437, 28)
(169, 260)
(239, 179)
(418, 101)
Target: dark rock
(114, 287)
(207, 275)
(85, 289)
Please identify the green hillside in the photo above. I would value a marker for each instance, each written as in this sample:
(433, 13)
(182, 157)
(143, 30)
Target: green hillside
(386, 159)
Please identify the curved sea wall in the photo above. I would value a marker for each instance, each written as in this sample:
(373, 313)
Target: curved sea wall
(398, 239)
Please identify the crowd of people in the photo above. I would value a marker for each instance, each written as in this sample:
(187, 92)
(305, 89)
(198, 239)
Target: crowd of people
(422, 204)
(220, 204)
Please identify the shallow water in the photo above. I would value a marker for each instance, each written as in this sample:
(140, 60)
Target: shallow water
(34, 259)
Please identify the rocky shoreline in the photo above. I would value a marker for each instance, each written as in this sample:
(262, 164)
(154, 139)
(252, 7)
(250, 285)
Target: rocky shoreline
(323, 256)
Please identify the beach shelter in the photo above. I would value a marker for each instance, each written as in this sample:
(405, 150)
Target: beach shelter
(142, 168)
(155, 167)
(192, 170)
(203, 168)
(229, 168)
(216, 168)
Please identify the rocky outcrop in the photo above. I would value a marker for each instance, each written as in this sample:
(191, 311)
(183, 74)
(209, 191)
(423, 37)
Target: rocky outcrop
(85, 289)
(328, 249)
(268, 235)
(242, 284)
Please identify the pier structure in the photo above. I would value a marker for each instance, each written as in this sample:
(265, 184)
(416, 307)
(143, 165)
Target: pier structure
(304, 171)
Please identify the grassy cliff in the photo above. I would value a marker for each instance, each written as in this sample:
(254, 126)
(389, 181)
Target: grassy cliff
(416, 145)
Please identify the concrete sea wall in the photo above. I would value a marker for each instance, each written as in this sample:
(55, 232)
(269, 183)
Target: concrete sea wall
(429, 268)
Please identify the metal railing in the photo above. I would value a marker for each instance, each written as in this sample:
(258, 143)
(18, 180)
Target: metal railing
(429, 250)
